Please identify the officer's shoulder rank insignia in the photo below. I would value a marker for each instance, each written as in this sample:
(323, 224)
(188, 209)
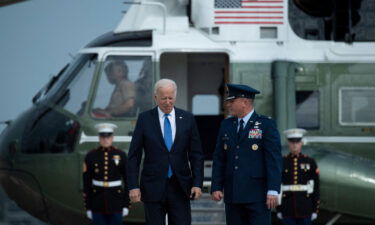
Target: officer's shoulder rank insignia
(254, 147)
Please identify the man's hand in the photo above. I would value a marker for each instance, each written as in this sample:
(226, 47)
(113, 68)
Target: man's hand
(279, 215)
(196, 192)
(135, 195)
(217, 195)
(271, 201)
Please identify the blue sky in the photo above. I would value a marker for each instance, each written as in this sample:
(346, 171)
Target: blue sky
(36, 39)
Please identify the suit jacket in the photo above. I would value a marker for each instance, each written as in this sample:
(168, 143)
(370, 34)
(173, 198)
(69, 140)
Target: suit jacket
(186, 156)
(247, 167)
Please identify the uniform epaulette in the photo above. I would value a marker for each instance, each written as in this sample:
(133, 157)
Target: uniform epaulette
(265, 117)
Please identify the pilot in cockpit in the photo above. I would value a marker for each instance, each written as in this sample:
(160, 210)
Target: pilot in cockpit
(122, 100)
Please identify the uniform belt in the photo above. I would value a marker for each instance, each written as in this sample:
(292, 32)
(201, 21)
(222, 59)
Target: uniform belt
(309, 187)
(295, 187)
(107, 183)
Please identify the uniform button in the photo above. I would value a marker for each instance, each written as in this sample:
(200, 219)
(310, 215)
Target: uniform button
(295, 172)
(295, 164)
(236, 167)
(94, 190)
(295, 182)
(238, 147)
(119, 191)
(106, 167)
(105, 172)
(105, 153)
(106, 162)
(295, 168)
(105, 158)
(105, 178)
(95, 164)
(236, 157)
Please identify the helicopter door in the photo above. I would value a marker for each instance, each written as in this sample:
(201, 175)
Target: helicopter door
(200, 78)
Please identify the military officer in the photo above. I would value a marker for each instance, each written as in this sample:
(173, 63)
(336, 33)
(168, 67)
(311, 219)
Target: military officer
(247, 161)
(300, 183)
(104, 180)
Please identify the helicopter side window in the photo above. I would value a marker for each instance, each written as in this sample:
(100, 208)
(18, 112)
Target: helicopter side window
(307, 109)
(50, 132)
(357, 106)
(125, 87)
(338, 20)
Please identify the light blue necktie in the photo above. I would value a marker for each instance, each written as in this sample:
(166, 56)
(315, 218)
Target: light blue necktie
(168, 138)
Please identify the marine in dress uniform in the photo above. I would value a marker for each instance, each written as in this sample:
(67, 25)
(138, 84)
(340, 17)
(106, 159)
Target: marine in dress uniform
(104, 176)
(247, 161)
(300, 183)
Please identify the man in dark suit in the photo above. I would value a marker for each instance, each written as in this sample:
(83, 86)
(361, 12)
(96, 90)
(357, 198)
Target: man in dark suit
(173, 163)
(247, 161)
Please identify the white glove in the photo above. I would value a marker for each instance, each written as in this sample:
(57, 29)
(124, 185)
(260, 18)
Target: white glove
(89, 214)
(125, 211)
(279, 215)
(314, 216)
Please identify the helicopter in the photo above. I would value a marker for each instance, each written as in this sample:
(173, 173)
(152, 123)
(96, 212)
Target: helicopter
(313, 64)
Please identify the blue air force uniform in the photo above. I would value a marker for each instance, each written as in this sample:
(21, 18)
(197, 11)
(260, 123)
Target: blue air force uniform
(248, 165)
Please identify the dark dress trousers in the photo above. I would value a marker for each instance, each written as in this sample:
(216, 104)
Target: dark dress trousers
(186, 158)
(105, 165)
(246, 167)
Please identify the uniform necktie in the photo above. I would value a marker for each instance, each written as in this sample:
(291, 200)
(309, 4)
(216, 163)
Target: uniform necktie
(168, 138)
(240, 130)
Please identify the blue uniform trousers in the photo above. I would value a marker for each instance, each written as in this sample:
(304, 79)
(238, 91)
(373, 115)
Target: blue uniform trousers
(299, 221)
(255, 213)
(107, 219)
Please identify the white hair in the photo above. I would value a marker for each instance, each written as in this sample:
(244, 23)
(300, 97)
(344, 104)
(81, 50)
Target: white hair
(163, 83)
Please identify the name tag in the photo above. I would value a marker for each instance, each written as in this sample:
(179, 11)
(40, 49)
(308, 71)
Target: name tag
(255, 133)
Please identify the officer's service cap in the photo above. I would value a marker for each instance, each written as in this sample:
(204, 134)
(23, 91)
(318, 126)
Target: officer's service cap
(295, 134)
(240, 91)
(105, 129)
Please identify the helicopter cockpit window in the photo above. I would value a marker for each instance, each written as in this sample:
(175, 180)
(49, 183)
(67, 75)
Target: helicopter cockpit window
(357, 106)
(74, 96)
(125, 87)
(307, 109)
